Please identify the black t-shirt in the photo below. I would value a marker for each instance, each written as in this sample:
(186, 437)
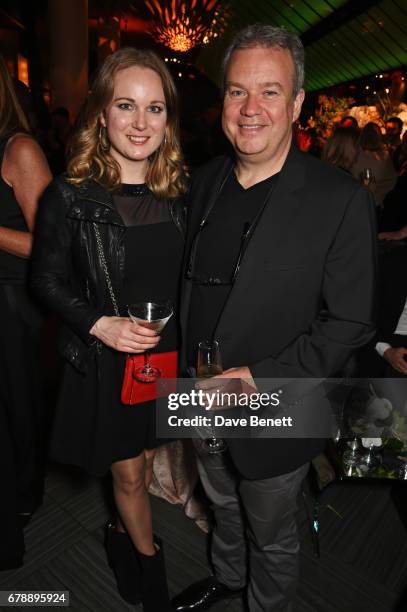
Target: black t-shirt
(219, 246)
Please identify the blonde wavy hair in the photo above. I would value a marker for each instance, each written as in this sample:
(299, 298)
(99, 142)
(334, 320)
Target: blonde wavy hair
(89, 152)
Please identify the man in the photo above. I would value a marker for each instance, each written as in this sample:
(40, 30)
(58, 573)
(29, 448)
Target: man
(392, 324)
(394, 127)
(280, 269)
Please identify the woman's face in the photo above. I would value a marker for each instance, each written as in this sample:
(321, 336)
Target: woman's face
(135, 119)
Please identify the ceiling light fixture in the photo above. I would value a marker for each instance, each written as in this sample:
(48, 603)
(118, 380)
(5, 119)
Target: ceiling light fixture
(182, 25)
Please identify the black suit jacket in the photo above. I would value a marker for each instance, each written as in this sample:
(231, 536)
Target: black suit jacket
(304, 296)
(393, 291)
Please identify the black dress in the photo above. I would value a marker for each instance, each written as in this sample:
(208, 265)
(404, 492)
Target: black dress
(111, 431)
(21, 417)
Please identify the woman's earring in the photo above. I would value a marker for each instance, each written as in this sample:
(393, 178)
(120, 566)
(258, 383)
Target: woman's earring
(104, 143)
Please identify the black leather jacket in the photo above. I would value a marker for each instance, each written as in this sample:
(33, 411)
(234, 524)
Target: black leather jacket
(66, 273)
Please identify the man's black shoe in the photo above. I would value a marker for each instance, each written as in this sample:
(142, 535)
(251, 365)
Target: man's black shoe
(202, 595)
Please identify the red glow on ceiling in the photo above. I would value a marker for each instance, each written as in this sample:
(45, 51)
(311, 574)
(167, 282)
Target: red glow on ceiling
(128, 24)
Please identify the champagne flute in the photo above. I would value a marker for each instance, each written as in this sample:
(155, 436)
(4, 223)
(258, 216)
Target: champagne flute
(351, 457)
(209, 359)
(210, 364)
(152, 316)
(366, 176)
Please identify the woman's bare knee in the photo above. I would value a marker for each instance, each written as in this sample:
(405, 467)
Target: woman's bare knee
(129, 475)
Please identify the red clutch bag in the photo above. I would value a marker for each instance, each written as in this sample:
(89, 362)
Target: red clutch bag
(136, 392)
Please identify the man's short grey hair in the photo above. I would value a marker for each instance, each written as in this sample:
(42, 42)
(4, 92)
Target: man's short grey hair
(262, 35)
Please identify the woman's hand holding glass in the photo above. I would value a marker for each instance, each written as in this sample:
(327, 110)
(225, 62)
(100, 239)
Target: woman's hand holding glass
(122, 334)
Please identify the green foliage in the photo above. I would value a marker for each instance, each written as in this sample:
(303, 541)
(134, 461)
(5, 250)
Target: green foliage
(329, 112)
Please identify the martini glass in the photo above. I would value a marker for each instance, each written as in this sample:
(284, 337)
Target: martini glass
(210, 364)
(152, 316)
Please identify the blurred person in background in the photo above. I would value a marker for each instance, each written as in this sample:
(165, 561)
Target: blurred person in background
(393, 127)
(400, 234)
(349, 122)
(394, 214)
(341, 149)
(391, 337)
(307, 141)
(24, 176)
(374, 155)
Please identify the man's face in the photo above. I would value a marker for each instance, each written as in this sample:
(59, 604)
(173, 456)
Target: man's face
(259, 108)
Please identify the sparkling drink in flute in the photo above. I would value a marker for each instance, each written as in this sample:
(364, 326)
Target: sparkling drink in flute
(210, 364)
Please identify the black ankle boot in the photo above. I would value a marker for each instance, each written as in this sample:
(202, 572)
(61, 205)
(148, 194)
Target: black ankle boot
(154, 589)
(123, 559)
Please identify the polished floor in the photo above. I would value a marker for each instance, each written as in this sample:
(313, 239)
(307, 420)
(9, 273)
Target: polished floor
(362, 565)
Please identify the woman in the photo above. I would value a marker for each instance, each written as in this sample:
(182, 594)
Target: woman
(124, 177)
(341, 149)
(373, 155)
(24, 175)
